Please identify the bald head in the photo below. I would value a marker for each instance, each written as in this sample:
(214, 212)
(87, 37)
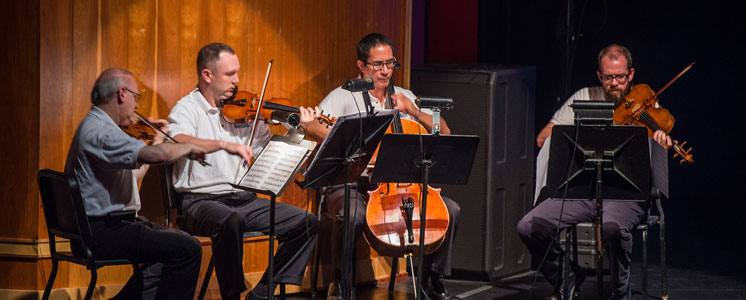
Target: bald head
(615, 52)
(108, 83)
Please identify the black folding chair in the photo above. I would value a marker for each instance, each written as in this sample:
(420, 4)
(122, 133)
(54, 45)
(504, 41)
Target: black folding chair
(65, 216)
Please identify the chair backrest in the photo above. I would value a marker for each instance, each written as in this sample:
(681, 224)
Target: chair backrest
(171, 198)
(63, 208)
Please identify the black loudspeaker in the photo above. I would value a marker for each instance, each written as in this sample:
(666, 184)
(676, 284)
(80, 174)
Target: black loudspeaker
(496, 103)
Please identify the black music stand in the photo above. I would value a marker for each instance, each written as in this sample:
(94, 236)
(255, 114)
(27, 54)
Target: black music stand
(341, 159)
(273, 198)
(443, 159)
(585, 159)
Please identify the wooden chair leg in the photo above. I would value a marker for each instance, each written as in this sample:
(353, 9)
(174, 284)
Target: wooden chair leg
(206, 281)
(50, 281)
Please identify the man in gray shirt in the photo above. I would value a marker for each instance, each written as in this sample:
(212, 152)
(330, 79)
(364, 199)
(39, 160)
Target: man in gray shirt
(539, 226)
(107, 163)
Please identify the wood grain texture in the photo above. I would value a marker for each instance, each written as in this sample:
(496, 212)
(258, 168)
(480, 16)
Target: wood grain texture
(20, 147)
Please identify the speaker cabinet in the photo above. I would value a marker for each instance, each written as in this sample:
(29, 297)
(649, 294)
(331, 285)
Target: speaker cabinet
(496, 103)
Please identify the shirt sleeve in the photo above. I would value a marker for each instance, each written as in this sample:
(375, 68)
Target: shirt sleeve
(182, 120)
(565, 115)
(114, 149)
(337, 103)
(412, 98)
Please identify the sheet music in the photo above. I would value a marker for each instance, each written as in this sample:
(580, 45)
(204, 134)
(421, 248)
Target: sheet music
(276, 166)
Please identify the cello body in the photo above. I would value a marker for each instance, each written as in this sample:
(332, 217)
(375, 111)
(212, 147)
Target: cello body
(393, 213)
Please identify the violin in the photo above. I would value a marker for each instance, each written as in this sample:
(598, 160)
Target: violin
(142, 129)
(392, 216)
(245, 107)
(640, 107)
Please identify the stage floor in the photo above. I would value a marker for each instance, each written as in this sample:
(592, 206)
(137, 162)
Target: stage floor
(683, 283)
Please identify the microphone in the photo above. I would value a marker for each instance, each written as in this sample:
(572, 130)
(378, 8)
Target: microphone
(292, 119)
(358, 85)
(433, 102)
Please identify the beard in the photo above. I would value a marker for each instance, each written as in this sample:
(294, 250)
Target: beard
(618, 98)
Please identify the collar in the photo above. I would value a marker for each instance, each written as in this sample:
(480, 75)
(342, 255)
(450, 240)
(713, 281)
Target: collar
(101, 115)
(202, 102)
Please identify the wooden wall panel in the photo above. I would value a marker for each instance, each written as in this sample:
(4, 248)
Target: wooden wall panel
(20, 121)
(86, 59)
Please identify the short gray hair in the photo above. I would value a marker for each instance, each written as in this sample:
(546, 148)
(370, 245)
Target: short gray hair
(107, 84)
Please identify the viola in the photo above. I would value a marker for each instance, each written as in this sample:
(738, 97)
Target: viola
(142, 129)
(640, 107)
(392, 216)
(243, 107)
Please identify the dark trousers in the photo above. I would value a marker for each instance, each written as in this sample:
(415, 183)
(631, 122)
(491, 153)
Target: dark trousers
(538, 227)
(224, 218)
(170, 257)
(438, 261)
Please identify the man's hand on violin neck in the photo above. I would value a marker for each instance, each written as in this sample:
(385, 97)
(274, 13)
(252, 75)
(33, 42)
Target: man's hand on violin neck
(308, 115)
(663, 139)
(238, 149)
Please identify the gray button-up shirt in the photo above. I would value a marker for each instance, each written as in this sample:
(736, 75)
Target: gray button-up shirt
(102, 158)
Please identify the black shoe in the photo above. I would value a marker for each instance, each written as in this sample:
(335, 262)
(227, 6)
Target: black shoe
(335, 291)
(258, 293)
(253, 296)
(627, 294)
(577, 277)
(436, 290)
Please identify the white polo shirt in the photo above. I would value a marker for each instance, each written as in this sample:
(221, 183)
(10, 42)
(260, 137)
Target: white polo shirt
(565, 114)
(193, 116)
(341, 102)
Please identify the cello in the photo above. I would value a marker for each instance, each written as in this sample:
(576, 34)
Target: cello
(392, 215)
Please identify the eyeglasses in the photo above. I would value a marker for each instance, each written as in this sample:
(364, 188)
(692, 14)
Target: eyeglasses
(378, 65)
(137, 95)
(621, 78)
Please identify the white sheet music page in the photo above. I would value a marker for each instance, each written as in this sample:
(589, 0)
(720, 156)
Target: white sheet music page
(276, 166)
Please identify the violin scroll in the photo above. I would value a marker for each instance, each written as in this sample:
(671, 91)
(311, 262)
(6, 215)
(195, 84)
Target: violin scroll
(683, 153)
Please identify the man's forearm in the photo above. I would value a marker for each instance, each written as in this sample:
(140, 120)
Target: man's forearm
(163, 153)
(209, 145)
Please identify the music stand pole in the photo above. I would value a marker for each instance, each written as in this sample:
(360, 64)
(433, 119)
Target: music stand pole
(425, 163)
(270, 291)
(346, 267)
(599, 227)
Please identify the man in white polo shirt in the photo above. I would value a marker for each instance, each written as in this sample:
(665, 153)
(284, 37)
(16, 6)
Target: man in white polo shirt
(210, 205)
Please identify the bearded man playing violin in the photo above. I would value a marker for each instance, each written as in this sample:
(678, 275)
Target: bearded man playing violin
(376, 60)
(210, 206)
(106, 163)
(538, 227)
